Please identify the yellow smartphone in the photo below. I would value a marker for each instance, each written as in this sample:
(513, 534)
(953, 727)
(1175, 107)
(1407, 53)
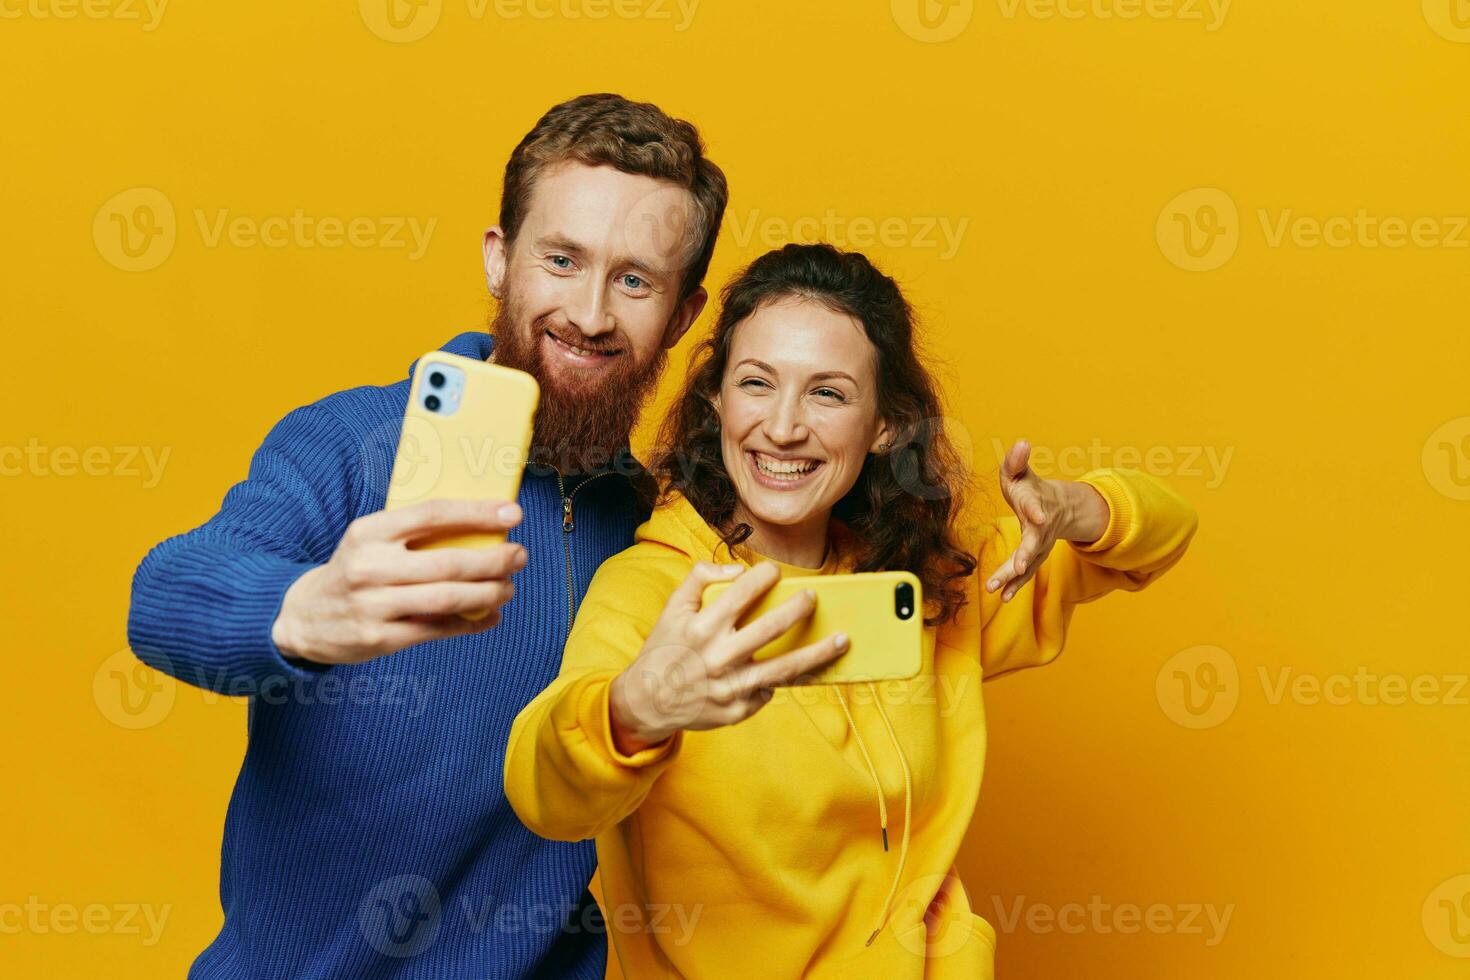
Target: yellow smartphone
(466, 436)
(881, 612)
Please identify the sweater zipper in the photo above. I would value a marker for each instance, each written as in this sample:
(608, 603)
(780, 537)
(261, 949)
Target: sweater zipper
(567, 527)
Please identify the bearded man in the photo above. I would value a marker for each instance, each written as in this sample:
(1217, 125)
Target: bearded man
(368, 834)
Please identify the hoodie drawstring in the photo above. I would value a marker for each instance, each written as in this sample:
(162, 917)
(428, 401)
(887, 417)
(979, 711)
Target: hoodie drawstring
(908, 796)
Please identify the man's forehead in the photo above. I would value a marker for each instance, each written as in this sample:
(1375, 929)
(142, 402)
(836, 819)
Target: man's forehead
(651, 220)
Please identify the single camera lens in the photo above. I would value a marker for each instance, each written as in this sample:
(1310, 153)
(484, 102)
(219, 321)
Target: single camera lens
(437, 379)
(432, 403)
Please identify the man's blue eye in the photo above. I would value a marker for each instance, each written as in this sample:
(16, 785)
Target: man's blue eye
(557, 261)
(633, 282)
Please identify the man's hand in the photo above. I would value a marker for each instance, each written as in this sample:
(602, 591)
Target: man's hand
(377, 595)
(1049, 511)
(696, 669)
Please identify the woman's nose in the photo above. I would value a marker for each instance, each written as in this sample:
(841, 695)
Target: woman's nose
(786, 425)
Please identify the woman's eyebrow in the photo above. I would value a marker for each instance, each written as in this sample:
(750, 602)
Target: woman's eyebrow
(818, 376)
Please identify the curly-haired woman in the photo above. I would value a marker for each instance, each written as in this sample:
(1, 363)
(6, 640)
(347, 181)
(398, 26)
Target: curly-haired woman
(743, 824)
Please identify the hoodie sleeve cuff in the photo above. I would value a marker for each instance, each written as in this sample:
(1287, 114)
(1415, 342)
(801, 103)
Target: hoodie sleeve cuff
(595, 718)
(1121, 510)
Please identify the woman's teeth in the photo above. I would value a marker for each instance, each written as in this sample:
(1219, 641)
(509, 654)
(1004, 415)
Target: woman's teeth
(784, 469)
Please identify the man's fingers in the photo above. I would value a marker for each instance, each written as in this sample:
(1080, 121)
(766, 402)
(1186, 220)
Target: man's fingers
(794, 668)
(410, 632)
(439, 516)
(499, 561)
(440, 598)
(1002, 575)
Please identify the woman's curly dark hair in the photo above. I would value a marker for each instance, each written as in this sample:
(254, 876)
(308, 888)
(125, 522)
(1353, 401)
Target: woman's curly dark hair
(906, 498)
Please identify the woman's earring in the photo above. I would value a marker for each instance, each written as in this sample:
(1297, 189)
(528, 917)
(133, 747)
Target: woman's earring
(883, 447)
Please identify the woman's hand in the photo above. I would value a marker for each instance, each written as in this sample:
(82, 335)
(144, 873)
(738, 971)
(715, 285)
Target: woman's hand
(1049, 511)
(695, 670)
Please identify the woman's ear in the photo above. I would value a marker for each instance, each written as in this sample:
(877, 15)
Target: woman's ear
(884, 439)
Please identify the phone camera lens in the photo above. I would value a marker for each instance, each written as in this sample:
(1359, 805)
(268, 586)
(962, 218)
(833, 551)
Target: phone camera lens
(432, 403)
(903, 599)
(437, 379)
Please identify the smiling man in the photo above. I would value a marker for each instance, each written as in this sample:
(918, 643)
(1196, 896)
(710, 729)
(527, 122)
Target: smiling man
(368, 834)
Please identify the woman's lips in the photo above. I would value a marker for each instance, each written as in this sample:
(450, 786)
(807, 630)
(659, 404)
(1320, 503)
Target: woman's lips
(780, 481)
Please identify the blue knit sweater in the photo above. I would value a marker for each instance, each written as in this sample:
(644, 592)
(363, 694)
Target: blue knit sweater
(368, 834)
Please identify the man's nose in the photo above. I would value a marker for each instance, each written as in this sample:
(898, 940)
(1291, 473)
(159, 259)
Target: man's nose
(587, 308)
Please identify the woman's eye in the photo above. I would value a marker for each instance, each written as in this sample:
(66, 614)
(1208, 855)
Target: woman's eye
(752, 383)
(829, 393)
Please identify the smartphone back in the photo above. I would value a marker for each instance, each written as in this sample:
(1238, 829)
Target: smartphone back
(881, 612)
(466, 436)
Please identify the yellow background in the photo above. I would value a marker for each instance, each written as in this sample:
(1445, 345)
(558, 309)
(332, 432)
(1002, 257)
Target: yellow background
(1333, 541)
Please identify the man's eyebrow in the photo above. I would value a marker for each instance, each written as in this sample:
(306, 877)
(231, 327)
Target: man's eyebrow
(560, 243)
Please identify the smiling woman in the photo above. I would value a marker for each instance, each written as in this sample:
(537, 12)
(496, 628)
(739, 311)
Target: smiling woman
(808, 441)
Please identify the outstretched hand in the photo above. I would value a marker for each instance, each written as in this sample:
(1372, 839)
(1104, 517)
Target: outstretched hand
(1049, 511)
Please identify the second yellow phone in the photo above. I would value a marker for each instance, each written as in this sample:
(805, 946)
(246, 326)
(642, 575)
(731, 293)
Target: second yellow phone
(881, 612)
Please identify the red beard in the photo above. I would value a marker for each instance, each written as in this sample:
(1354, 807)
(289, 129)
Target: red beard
(581, 425)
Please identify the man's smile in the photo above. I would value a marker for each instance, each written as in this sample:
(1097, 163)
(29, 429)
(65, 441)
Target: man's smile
(582, 356)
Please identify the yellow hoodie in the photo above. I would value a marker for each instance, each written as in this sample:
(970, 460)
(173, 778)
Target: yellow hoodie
(757, 848)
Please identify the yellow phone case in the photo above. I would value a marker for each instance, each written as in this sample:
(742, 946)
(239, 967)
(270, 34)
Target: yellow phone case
(477, 452)
(865, 606)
